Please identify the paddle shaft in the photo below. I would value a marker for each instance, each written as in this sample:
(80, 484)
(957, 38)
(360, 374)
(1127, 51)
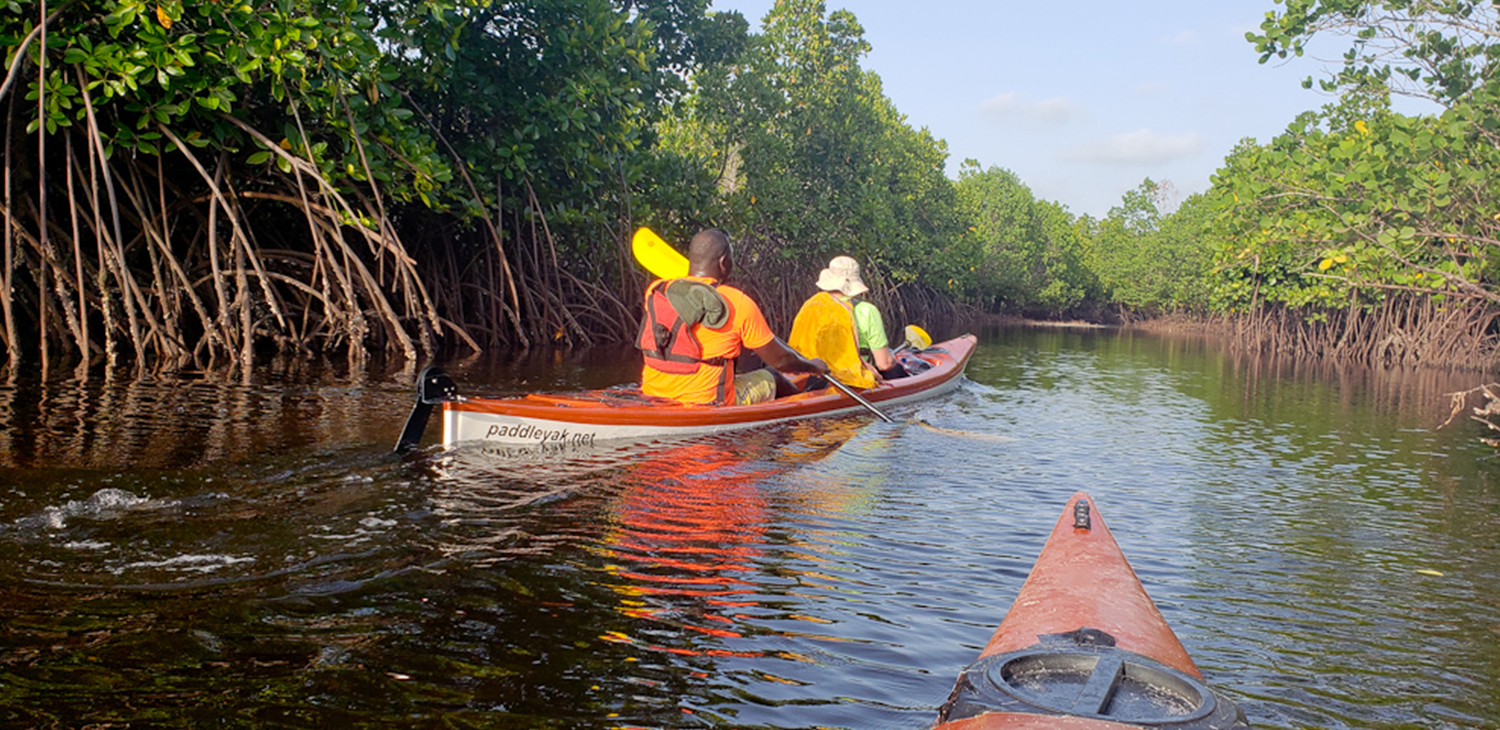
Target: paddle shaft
(860, 400)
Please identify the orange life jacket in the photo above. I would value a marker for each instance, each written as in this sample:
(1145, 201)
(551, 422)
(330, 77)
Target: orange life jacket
(667, 341)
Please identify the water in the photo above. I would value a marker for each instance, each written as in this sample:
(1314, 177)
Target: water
(191, 552)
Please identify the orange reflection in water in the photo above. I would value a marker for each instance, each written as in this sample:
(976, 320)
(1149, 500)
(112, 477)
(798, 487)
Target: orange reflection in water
(689, 532)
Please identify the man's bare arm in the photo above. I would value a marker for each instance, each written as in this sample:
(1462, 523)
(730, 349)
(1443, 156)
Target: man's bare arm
(778, 355)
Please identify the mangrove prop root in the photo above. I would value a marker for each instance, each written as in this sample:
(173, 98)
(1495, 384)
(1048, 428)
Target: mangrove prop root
(1483, 413)
(1403, 330)
(174, 261)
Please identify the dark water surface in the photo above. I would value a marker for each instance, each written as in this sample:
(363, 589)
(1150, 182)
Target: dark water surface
(198, 553)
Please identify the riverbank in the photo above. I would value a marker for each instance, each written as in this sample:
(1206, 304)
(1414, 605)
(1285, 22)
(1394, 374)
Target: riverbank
(1470, 348)
(1011, 320)
(1169, 323)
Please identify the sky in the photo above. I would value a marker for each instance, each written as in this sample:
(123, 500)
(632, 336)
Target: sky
(1084, 99)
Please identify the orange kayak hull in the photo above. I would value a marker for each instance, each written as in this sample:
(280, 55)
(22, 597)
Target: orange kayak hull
(583, 419)
(1084, 647)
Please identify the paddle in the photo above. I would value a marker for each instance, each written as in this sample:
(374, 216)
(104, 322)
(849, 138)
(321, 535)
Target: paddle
(916, 338)
(846, 390)
(918, 421)
(657, 255)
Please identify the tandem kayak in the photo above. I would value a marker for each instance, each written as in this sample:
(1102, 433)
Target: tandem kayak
(1084, 647)
(626, 414)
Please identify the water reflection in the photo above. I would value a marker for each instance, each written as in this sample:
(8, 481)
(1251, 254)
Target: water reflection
(187, 420)
(690, 530)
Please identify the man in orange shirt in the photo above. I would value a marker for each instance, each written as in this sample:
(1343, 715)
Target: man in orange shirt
(697, 325)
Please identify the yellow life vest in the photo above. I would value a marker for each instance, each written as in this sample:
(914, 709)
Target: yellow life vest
(824, 328)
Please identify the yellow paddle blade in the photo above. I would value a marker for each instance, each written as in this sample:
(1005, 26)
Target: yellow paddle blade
(657, 255)
(917, 338)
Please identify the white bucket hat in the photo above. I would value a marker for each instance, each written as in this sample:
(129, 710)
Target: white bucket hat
(842, 275)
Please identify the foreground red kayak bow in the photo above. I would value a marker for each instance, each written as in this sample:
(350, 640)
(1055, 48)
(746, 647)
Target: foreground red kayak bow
(1084, 648)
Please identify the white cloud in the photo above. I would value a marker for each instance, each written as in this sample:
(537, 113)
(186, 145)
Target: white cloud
(1187, 37)
(1141, 147)
(1012, 108)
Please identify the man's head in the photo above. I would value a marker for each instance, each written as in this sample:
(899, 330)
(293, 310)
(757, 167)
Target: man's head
(711, 254)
